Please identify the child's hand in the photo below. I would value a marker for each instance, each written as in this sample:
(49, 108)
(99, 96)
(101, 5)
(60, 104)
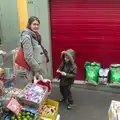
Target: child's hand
(58, 71)
(63, 73)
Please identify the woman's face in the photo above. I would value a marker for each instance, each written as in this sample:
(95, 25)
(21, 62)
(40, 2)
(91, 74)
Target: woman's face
(35, 26)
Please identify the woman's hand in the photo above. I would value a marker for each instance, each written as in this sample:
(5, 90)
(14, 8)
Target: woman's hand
(37, 75)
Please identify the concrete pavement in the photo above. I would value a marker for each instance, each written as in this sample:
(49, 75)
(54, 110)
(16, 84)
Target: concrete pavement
(90, 104)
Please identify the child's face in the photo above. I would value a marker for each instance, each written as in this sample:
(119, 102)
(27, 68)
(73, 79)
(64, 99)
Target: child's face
(66, 58)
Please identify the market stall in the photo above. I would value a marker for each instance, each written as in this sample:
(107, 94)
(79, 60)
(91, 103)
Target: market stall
(30, 103)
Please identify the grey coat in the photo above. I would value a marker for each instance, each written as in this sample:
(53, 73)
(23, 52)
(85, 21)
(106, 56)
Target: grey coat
(33, 54)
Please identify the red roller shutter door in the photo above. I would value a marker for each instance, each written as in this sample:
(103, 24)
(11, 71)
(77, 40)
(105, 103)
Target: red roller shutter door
(91, 28)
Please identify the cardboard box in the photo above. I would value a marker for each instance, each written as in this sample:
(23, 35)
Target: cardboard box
(52, 103)
(31, 103)
(114, 110)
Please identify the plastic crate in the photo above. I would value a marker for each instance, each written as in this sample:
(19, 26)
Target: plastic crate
(52, 103)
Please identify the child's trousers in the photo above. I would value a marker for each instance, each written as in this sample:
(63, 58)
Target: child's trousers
(66, 93)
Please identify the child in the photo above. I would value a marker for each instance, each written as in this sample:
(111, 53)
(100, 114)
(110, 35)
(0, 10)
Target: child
(67, 71)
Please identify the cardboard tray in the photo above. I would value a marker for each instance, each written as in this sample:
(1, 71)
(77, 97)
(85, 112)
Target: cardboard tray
(31, 103)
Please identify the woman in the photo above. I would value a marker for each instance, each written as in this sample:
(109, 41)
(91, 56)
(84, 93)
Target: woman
(34, 52)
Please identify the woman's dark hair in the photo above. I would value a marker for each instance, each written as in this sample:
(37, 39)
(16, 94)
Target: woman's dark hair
(32, 19)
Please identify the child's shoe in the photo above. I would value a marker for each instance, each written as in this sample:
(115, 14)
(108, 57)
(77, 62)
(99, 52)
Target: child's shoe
(69, 106)
(62, 100)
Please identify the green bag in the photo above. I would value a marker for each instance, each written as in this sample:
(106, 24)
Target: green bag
(92, 71)
(115, 74)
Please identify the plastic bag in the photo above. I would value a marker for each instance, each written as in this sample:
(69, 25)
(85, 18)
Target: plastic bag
(43, 82)
(115, 75)
(103, 76)
(20, 60)
(46, 84)
(92, 71)
(14, 106)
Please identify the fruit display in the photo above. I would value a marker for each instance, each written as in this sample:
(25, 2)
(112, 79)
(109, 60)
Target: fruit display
(23, 115)
(33, 93)
(48, 110)
(27, 113)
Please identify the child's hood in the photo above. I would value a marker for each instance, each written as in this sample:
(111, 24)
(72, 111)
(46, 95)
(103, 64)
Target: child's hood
(70, 53)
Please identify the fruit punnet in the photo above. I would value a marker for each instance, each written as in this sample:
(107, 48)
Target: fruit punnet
(23, 115)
